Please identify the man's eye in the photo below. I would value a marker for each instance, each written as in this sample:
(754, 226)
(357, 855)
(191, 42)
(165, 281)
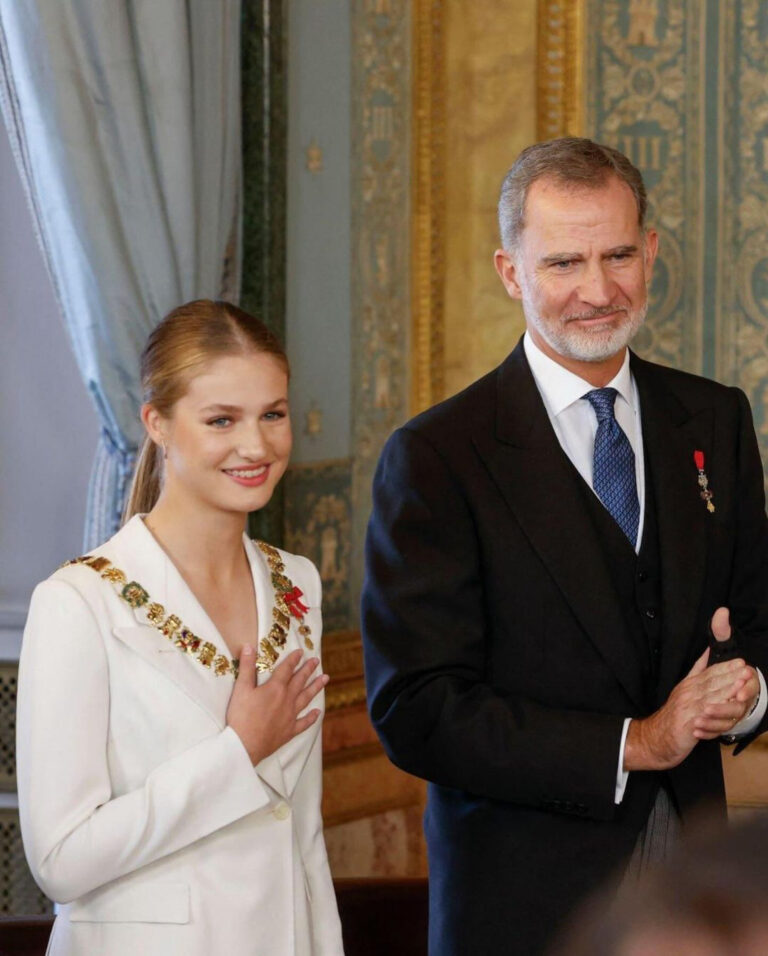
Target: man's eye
(562, 264)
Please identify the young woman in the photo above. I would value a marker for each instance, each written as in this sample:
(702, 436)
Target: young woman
(169, 741)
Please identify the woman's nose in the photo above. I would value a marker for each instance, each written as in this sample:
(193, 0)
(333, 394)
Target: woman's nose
(252, 443)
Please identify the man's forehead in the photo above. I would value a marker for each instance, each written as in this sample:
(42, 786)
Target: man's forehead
(553, 189)
(554, 206)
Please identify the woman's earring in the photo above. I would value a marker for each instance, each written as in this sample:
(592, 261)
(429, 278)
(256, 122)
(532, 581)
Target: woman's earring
(165, 450)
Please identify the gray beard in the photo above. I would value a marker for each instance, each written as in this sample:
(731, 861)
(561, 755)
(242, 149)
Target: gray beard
(585, 346)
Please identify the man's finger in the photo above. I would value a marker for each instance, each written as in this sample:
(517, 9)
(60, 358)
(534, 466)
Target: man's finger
(721, 624)
(701, 664)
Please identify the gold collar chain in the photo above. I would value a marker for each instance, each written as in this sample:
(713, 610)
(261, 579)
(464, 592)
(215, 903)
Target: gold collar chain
(287, 604)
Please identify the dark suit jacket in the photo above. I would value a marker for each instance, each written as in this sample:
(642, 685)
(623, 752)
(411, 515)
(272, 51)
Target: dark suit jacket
(498, 662)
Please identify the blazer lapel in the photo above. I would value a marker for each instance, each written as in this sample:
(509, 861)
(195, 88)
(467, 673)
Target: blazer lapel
(538, 483)
(270, 769)
(671, 434)
(188, 674)
(135, 551)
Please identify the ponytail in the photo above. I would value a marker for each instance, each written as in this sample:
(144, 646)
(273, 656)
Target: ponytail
(146, 481)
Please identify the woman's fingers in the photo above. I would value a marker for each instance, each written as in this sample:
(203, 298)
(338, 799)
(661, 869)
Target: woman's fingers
(304, 722)
(310, 691)
(302, 674)
(284, 670)
(246, 674)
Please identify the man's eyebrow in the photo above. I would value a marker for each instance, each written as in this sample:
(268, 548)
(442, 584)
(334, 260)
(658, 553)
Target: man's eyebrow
(568, 256)
(559, 257)
(620, 250)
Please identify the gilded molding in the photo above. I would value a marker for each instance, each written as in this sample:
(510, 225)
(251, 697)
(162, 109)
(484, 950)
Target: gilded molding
(348, 694)
(559, 72)
(428, 205)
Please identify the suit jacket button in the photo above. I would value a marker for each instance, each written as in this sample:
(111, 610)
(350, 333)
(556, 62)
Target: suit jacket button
(282, 811)
(650, 612)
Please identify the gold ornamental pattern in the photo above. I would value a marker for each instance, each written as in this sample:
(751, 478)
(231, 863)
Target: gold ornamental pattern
(287, 604)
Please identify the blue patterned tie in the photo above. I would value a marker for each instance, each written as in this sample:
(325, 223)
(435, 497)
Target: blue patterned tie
(613, 476)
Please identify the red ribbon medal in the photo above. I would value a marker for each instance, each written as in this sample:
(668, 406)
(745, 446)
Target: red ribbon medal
(706, 493)
(293, 600)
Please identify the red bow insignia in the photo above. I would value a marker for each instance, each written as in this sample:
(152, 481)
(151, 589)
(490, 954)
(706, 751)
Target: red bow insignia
(293, 600)
(706, 493)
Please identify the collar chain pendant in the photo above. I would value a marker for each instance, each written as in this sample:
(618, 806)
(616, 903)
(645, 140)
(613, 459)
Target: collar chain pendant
(286, 601)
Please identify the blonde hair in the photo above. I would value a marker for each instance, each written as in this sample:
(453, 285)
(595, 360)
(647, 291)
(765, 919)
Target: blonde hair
(184, 342)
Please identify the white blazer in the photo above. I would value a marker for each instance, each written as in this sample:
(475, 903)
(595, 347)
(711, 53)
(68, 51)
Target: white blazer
(141, 813)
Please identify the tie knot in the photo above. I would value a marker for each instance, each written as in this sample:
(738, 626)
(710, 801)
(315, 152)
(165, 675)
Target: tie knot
(602, 400)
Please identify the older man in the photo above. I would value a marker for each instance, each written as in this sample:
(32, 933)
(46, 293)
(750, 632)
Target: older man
(546, 553)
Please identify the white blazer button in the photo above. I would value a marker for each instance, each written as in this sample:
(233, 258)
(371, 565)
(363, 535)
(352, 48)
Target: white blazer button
(282, 811)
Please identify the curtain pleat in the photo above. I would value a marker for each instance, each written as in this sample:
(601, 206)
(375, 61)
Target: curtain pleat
(124, 117)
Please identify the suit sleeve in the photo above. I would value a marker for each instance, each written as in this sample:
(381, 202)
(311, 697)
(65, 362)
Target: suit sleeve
(748, 599)
(430, 685)
(77, 834)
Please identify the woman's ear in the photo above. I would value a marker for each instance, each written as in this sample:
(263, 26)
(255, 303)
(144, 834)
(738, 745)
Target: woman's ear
(154, 423)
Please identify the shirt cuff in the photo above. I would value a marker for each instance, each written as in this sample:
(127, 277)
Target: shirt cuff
(622, 775)
(749, 723)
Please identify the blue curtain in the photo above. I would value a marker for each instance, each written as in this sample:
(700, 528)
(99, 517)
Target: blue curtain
(124, 116)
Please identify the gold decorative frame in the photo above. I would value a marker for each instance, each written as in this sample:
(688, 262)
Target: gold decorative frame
(560, 112)
(343, 660)
(560, 68)
(427, 224)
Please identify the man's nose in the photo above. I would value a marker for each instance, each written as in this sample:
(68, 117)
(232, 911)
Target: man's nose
(596, 288)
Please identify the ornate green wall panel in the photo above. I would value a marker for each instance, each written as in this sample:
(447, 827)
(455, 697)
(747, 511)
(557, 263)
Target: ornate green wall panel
(681, 86)
(742, 355)
(318, 525)
(644, 97)
(381, 116)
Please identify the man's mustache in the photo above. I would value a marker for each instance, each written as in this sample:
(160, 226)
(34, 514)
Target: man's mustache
(596, 313)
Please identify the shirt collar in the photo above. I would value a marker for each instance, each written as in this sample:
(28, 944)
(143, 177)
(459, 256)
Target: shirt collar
(560, 388)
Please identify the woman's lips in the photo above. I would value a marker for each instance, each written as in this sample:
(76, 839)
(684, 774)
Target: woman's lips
(248, 477)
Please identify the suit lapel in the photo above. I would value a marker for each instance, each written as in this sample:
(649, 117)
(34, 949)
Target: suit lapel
(671, 434)
(538, 483)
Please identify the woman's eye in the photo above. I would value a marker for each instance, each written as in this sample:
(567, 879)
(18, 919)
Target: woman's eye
(274, 416)
(220, 422)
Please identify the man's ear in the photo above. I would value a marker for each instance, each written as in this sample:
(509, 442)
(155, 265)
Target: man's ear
(507, 270)
(650, 248)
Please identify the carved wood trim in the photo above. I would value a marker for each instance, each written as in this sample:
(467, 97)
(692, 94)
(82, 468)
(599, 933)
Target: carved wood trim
(427, 215)
(559, 81)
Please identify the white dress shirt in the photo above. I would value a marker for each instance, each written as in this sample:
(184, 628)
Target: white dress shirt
(575, 424)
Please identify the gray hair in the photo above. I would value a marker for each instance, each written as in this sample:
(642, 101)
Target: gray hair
(570, 161)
